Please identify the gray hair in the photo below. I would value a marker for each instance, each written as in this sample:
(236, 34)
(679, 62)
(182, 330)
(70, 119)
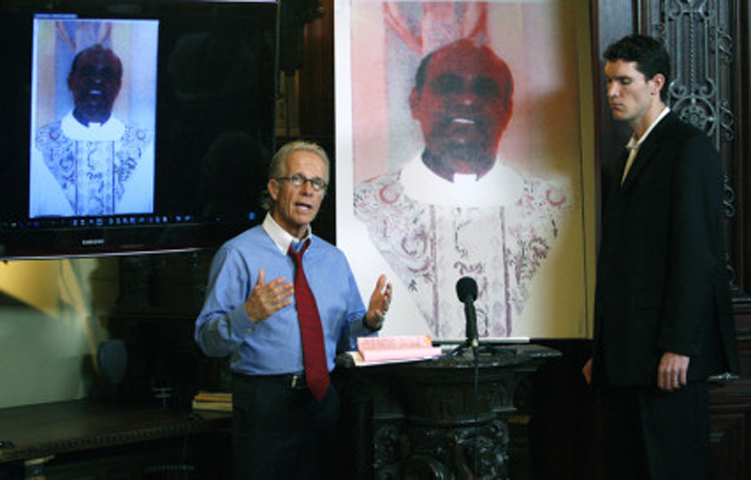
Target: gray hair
(278, 165)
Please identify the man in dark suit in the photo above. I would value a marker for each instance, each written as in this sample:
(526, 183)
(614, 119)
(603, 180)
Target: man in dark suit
(663, 321)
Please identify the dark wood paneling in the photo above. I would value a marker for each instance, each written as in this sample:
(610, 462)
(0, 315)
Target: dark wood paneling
(317, 105)
(317, 78)
(743, 155)
(562, 433)
(728, 445)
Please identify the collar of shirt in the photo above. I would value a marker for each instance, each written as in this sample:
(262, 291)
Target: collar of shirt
(110, 130)
(634, 144)
(502, 185)
(282, 239)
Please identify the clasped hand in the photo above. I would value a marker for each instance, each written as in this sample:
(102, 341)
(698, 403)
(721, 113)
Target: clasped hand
(672, 372)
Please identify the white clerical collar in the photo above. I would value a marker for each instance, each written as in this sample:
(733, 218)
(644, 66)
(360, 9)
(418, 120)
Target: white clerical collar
(634, 144)
(280, 236)
(108, 131)
(500, 186)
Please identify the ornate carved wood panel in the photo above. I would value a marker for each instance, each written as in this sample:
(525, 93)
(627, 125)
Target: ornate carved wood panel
(704, 44)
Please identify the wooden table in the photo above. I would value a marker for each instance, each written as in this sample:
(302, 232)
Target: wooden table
(39, 433)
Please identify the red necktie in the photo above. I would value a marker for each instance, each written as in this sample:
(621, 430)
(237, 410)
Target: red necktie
(313, 348)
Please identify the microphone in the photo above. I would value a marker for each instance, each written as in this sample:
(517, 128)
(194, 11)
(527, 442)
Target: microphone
(466, 290)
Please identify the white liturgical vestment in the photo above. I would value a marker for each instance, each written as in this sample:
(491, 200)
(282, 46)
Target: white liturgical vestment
(89, 171)
(497, 229)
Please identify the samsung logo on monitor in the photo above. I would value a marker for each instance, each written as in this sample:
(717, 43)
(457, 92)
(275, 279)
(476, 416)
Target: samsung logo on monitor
(90, 242)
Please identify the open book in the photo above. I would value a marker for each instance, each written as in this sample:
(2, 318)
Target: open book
(399, 348)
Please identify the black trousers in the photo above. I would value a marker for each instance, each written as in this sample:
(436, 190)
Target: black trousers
(281, 432)
(654, 435)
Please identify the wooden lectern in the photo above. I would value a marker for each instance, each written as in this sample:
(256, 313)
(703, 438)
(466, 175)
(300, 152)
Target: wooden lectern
(445, 418)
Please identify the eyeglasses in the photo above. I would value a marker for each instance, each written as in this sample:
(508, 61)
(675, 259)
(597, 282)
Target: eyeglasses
(299, 180)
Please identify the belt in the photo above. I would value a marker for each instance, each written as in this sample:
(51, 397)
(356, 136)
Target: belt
(292, 380)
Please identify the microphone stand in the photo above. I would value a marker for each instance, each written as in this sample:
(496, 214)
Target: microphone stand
(472, 340)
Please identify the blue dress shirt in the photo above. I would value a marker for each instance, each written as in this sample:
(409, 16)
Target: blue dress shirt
(274, 346)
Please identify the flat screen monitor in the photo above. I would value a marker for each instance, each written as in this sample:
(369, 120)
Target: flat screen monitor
(133, 127)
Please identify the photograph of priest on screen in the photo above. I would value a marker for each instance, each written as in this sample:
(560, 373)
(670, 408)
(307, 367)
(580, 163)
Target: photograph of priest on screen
(469, 193)
(89, 162)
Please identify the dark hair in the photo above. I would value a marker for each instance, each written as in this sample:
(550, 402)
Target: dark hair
(650, 56)
(421, 76)
(100, 49)
(422, 72)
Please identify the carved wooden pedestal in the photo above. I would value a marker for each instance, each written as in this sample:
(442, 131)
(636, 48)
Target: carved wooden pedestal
(441, 419)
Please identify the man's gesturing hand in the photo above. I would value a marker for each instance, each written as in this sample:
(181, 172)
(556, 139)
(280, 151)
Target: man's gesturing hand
(268, 298)
(380, 301)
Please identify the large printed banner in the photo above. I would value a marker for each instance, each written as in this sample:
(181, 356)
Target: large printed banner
(459, 154)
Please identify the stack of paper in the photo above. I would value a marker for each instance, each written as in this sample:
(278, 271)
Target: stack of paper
(214, 401)
(395, 348)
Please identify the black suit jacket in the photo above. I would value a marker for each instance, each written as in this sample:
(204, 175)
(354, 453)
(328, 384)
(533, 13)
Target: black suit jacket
(662, 283)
